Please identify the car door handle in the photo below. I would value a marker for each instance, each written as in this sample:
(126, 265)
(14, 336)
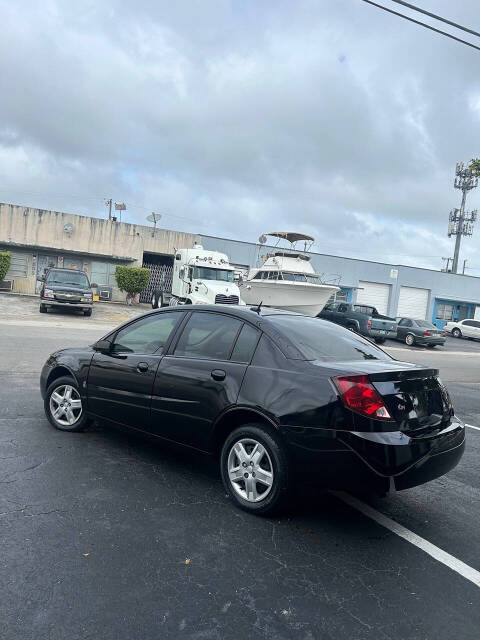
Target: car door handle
(142, 367)
(218, 374)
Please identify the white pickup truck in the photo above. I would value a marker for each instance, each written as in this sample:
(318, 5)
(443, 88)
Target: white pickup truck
(199, 277)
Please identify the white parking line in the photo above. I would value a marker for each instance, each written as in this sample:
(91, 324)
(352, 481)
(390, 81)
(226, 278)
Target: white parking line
(472, 427)
(438, 554)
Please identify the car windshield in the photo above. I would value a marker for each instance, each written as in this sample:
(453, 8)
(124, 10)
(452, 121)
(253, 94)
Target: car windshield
(321, 340)
(207, 273)
(77, 279)
(424, 323)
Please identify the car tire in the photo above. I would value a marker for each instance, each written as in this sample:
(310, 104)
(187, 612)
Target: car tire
(155, 299)
(255, 497)
(352, 327)
(43, 308)
(431, 346)
(87, 313)
(67, 390)
(410, 339)
(379, 340)
(456, 333)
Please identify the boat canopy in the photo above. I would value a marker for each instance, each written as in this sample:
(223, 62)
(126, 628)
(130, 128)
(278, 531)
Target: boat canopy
(291, 236)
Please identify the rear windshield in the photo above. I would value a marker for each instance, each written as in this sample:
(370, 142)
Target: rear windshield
(78, 279)
(321, 340)
(426, 324)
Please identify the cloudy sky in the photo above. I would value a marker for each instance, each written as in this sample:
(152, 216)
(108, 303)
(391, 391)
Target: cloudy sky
(237, 117)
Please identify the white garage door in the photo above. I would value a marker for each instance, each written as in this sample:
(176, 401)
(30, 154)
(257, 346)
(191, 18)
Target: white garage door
(413, 302)
(375, 294)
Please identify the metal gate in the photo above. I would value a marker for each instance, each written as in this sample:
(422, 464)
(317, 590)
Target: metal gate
(161, 271)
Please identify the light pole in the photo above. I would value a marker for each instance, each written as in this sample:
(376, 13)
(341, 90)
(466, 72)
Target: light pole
(460, 221)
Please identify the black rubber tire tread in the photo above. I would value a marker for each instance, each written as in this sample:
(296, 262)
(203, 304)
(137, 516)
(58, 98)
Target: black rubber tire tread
(277, 499)
(456, 333)
(87, 313)
(84, 420)
(379, 340)
(43, 308)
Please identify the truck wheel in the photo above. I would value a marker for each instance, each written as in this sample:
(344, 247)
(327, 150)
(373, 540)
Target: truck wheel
(409, 339)
(379, 340)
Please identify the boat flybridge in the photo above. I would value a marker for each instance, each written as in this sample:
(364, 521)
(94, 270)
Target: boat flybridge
(286, 279)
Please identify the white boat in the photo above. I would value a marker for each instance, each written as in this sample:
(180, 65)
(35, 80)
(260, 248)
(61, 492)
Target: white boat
(286, 279)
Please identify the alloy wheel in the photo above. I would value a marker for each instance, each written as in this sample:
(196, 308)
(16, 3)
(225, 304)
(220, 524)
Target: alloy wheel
(250, 470)
(409, 339)
(66, 405)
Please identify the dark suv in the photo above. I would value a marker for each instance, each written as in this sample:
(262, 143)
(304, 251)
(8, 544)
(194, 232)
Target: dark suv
(66, 288)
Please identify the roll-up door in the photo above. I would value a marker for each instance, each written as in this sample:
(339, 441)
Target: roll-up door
(376, 294)
(413, 302)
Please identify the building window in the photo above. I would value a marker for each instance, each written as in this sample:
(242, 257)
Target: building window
(444, 312)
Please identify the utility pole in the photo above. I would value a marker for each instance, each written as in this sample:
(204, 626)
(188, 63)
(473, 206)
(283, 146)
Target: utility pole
(460, 221)
(108, 203)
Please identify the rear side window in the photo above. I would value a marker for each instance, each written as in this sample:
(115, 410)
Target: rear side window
(208, 335)
(321, 340)
(245, 345)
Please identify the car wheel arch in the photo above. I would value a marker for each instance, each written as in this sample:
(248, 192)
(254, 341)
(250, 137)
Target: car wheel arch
(58, 372)
(233, 418)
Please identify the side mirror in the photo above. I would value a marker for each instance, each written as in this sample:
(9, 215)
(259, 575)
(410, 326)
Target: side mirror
(93, 285)
(103, 346)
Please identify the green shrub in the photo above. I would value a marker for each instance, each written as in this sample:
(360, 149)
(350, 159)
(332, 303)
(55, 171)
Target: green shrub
(132, 280)
(5, 259)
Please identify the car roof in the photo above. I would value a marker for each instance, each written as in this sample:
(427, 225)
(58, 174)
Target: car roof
(251, 313)
(66, 269)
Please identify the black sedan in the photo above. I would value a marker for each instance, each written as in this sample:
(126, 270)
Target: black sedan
(421, 332)
(275, 395)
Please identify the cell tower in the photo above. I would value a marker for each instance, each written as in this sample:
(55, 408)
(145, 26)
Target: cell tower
(461, 221)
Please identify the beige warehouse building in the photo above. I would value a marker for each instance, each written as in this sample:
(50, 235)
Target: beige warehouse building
(39, 239)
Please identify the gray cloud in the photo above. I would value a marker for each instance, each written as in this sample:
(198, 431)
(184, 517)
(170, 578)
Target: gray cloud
(233, 118)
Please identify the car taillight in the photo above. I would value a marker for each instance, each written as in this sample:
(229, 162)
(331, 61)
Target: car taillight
(427, 333)
(444, 335)
(369, 323)
(359, 395)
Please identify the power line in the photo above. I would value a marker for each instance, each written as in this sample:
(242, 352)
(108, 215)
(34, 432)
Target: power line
(422, 24)
(434, 15)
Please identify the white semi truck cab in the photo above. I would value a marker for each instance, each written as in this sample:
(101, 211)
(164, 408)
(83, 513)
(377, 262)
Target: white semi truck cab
(199, 277)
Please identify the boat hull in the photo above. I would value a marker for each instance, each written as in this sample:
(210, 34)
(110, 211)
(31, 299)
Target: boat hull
(305, 298)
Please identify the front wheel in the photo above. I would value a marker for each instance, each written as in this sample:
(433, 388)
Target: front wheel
(63, 405)
(87, 312)
(456, 333)
(43, 308)
(254, 469)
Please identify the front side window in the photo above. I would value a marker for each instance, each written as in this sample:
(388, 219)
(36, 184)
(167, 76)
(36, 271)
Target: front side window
(323, 340)
(208, 335)
(77, 279)
(148, 335)
(208, 273)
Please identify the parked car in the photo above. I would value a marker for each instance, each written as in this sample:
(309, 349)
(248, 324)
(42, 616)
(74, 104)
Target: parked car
(464, 329)
(413, 331)
(361, 318)
(272, 394)
(67, 288)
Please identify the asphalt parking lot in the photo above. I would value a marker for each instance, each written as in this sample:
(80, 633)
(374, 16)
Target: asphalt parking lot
(104, 535)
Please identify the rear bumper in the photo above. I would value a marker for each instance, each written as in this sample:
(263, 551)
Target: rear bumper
(375, 461)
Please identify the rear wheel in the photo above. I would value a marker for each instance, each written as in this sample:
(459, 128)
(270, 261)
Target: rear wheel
(456, 333)
(431, 346)
(63, 405)
(254, 469)
(379, 340)
(409, 339)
